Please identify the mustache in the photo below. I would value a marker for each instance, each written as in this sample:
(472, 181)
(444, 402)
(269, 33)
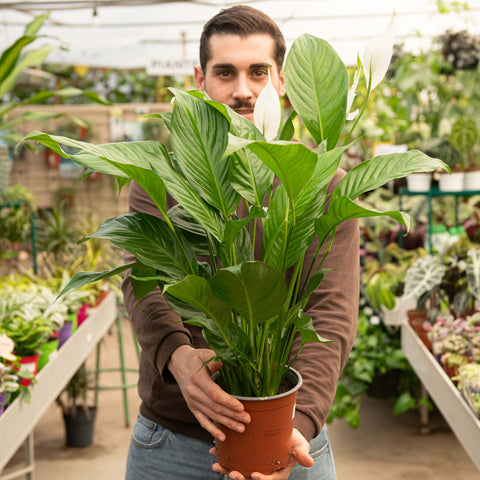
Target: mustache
(239, 105)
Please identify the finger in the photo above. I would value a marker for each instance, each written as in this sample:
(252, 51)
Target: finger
(212, 407)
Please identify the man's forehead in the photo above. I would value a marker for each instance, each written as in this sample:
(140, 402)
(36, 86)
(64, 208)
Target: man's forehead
(254, 49)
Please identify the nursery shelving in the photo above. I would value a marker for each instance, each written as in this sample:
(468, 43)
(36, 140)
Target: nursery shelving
(19, 419)
(460, 417)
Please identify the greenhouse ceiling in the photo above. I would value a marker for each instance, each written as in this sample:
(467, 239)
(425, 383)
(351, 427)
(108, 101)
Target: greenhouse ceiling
(131, 34)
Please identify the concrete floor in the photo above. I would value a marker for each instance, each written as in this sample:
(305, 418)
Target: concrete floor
(384, 447)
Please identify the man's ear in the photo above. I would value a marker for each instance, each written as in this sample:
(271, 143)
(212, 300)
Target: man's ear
(199, 78)
(281, 88)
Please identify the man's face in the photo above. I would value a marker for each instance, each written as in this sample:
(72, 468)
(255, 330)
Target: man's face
(238, 70)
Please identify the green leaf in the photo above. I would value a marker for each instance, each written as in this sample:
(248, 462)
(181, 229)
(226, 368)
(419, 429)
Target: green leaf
(314, 282)
(288, 129)
(101, 158)
(81, 279)
(196, 292)
(140, 286)
(67, 92)
(380, 170)
(151, 241)
(343, 208)
(403, 403)
(255, 290)
(181, 190)
(278, 157)
(30, 59)
(423, 276)
(199, 138)
(231, 347)
(316, 82)
(307, 331)
(34, 26)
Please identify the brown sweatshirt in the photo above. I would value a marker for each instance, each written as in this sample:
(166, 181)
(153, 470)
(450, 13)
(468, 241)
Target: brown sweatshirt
(333, 308)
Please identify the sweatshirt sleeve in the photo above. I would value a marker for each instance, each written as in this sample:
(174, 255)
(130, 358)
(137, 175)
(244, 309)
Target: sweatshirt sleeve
(333, 308)
(159, 330)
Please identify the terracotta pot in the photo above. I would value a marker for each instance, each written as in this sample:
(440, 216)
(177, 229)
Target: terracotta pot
(29, 363)
(416, 319)
(265, 444)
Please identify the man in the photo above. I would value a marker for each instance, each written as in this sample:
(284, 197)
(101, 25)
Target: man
(180, 403)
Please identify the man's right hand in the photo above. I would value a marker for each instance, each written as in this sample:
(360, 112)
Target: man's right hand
(207, 401)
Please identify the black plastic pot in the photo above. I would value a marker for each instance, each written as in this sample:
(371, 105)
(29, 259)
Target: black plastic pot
(79, 428)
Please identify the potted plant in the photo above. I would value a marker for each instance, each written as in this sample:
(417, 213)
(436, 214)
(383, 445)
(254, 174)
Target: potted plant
(9, 381)
(249, 307)
(77, 411)
(463, 137)
(469, 385)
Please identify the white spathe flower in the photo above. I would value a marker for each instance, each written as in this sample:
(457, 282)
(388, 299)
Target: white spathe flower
(377, 56)
(6, 348)
(352, 93)
(267, 112)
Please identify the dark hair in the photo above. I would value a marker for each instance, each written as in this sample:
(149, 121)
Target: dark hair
(241, 20)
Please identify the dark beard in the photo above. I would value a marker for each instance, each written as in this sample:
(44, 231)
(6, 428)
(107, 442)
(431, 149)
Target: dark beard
(242, 105)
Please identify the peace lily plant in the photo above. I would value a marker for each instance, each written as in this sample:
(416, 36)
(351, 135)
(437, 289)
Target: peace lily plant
(249, 313)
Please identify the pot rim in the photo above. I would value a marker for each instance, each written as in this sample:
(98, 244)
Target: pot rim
(292, 374)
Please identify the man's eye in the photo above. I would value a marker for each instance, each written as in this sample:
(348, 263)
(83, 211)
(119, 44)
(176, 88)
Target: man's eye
(260, 73)
(224, 73)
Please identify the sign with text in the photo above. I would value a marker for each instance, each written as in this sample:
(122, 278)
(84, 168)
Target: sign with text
(171, 66)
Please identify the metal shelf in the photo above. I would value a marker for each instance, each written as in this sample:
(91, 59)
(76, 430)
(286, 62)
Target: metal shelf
(20, 418)
(460, 417)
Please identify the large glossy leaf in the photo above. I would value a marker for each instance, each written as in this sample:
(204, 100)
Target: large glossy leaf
(151, 241)
(192, 231)
(278, 157)
(146, 178)
(311, 205)
(343, 208)
(98, 157)
(380, 170)
(143, 280)
(197, 292)
(199, 138)
(81, 279)
(275, 234)
(181, 190)
(316, 82)
(250, 177)
(233, 350)
(253, 289)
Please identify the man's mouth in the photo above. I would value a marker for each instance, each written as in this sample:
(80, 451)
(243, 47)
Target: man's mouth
(245, 112)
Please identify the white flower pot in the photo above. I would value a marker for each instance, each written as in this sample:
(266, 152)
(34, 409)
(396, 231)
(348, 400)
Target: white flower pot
(471, 180)
(419, 182)
(451, 183)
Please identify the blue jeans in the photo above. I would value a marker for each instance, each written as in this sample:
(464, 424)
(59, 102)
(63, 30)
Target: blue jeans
(158, 454)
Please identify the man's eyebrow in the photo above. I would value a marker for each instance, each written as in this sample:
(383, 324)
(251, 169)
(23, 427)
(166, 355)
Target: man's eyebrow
(221, 66)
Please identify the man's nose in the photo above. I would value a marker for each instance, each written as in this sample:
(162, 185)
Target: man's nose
(242, 89)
